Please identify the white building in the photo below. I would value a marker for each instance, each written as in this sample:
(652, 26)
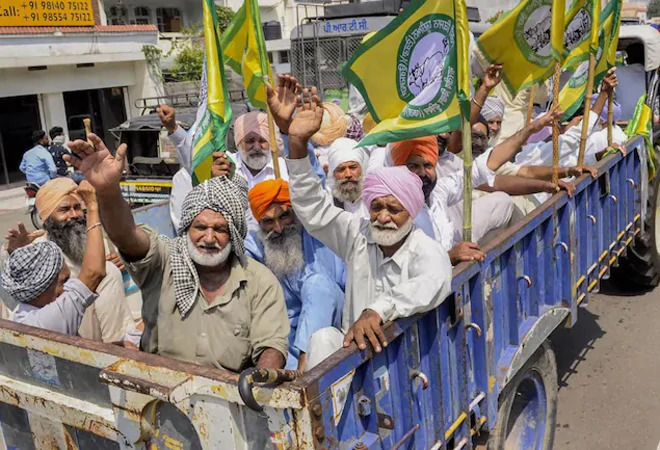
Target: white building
(56, 76)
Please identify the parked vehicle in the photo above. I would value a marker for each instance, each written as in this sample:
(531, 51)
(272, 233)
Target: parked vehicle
(31, 190)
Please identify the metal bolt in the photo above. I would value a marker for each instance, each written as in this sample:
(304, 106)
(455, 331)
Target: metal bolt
(387, 422)
(317, 410)
(359, 445)
(318, 432)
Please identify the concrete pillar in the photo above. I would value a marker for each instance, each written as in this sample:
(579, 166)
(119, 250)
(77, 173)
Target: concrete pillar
(54, 111)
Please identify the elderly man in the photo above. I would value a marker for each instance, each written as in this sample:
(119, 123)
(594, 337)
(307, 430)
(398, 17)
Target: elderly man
(493, 112)
(37, 277)
(393, 269)
(347, 165)
(60, 207)
(203, 300)
(311, 275)
(421, 157)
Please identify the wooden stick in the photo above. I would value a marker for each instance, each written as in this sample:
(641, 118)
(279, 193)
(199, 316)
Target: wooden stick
(555, 125)
(467, 179)
(87, 122)
(273, 143)
(530, 104)
(610, 116)
(587, 108)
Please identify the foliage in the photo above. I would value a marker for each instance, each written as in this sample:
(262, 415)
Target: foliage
(152, 53)
(653, 9)
(188, 50)
(495, 17)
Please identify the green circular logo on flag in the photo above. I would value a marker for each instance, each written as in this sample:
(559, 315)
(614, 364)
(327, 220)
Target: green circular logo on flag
(580, 76)
(532, 32)
(426, 67)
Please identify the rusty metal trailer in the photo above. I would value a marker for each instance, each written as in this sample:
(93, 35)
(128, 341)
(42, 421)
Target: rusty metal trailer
(446, 377)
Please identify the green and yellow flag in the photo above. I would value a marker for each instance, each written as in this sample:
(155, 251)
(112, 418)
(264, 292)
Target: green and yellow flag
(641, 125)
(413, 74)
(581, 39)
(527, 40)
(610, 24)
(245, 51)
(214, 112)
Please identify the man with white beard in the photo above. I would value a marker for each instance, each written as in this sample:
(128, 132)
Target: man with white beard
(60, 207)
(311, 275)
(393, 269)
(203, 300)
(346, 167)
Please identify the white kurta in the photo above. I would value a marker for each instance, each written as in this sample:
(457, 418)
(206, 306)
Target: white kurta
(417, 278)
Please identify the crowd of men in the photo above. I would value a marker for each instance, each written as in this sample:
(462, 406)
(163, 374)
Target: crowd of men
(281, 272)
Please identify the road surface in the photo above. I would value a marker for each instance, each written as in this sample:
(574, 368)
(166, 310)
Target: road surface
(609, 370)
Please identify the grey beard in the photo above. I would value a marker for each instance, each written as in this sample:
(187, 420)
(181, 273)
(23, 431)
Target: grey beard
(283, 254)
(347, 193)
(207, 260)
(255, 161)
(386, 236)
(70, 236)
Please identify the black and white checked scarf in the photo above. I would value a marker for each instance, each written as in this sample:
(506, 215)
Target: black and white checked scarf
(220, 194)
(31, 270)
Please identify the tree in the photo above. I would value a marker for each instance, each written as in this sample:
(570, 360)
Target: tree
(188, 50)
(653, 9)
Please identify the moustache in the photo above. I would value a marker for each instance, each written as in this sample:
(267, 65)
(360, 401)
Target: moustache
(384, 226)
(209, 246)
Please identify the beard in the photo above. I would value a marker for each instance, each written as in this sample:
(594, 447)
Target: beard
(347, 190)
(213, 258)
(427, 186)
(255, 159)
(283, 252)
(388, 234)
(70, 236)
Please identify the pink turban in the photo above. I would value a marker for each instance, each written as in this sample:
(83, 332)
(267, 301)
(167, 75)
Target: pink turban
(255, 121)
(397, 181)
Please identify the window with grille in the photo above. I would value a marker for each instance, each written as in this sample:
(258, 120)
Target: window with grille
(284, 57)
(117, 15)
(169, 20)
(142, 15)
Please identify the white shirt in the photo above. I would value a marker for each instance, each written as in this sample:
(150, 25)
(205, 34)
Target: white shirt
(181, 185)
(434, 219)
(416, 279)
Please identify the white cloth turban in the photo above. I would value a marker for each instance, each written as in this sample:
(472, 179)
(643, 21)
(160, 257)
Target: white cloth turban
(493, 107)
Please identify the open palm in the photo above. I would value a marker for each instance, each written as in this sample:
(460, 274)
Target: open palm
(308, 119)
(282, 101)
(100, 167)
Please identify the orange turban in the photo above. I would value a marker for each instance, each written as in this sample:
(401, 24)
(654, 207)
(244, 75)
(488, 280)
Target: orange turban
(264, 194)
(426, 147)
(50, 195)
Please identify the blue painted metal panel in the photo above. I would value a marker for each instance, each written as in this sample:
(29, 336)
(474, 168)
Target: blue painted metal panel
(551, 260)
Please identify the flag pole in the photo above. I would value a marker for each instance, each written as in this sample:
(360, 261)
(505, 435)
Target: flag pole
(530, 104)
(587, 108)
(273, 139)
(467, 178)
(610, 116)
(555, 125)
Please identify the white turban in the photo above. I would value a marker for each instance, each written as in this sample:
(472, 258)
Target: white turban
(493, 107)
(343, 150)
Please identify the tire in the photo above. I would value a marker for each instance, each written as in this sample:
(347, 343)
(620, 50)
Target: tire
(36, 220)
(528, 406)
(640, 267)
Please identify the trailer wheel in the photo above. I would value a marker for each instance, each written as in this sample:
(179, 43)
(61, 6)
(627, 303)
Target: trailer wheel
(640, 267)
(528, 406)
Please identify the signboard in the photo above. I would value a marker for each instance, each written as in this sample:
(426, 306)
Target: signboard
(340, 27)
(35, 13)
(146, 191)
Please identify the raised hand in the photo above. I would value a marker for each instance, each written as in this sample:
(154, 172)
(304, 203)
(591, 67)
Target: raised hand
(101, 169)
(492, 77)
(610, 81)
(167, 117)
(87, 192)
(308, 119)
(282, 101)
(546, 120)
(19, 237)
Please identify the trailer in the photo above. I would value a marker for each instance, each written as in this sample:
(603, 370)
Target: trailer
(478, 363)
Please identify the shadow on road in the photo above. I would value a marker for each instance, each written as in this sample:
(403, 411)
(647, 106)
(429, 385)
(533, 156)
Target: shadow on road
(571, 345)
